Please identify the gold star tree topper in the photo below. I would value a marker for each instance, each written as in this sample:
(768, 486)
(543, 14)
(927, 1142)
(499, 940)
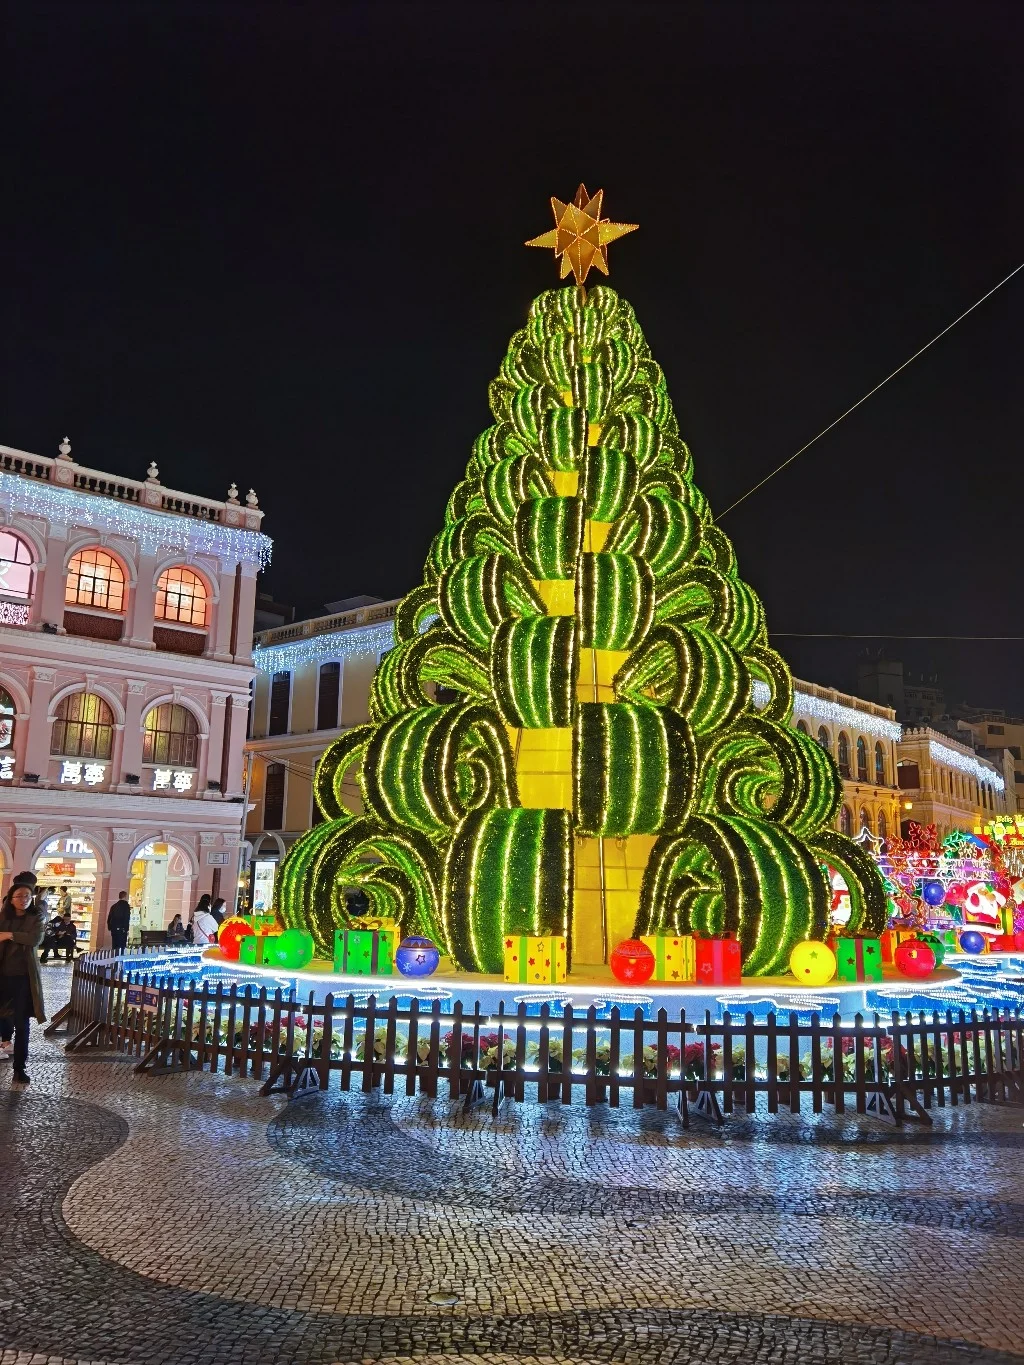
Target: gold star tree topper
(580, 235)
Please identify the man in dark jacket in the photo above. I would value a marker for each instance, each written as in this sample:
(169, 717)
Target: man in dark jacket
(119, 917)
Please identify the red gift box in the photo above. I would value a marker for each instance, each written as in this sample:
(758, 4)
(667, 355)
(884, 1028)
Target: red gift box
(891, 940)
(718, 961)
(1018, 943)
(1005, 943)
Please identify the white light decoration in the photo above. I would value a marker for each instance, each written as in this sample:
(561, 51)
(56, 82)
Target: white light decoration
(965, 763)
(13, 614)
(71, 772)
(161, 779)
(182, 782)
(339, 644)
(151, 530)
(846, 716)
(94, 774)
(7, 768)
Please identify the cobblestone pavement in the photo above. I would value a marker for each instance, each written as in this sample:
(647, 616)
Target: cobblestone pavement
(184, 1219)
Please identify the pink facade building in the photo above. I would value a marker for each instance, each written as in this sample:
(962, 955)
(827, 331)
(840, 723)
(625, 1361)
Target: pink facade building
(126, 615)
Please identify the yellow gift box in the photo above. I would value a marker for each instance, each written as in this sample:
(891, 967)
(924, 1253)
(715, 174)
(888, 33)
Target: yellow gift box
(534, 961)
(675, 957)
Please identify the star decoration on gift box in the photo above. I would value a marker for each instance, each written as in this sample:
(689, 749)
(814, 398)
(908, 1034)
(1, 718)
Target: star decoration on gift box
(580, 235)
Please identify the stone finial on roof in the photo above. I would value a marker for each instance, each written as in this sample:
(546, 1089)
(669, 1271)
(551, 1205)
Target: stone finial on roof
(233, 492)
(152, 473)
(65, 449)
(251, 500)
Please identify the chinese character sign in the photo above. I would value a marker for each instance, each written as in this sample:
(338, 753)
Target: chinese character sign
(164, 779)
(73, 773)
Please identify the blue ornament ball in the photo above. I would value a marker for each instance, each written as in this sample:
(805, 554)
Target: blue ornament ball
(972, 942)
(416, 957)
(934, 893)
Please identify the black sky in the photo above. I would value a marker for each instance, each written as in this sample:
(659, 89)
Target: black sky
(282, 244)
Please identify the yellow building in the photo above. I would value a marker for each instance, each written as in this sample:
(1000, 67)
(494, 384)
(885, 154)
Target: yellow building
(312, 682)
(863, 737)
(946, 784)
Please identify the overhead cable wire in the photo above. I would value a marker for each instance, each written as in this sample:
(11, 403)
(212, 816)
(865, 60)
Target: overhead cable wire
(847, 635)
(859, 401)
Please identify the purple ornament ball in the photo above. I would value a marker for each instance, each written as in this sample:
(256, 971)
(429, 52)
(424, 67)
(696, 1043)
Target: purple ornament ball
(416, 956)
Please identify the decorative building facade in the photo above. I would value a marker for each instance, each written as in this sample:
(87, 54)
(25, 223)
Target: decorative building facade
(863, 738)
(126, 614)
(946, 784)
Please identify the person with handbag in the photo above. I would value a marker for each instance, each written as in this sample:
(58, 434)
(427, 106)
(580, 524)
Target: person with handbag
(21, 985)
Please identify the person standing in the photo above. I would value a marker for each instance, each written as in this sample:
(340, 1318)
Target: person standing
(21, 986)
(204, 927)
(217, 910)
(119, 918)
(64, 905)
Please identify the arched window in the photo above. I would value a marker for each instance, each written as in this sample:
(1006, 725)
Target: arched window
(865, 820)
(181, 595)
(171, 737)
(862, 759)
(843, 755)
(824, 739)
(7, 714)
(83, 727)
(845, 821)
(879, 766)
(883, 828)
(95, 579)
(15, 567)
(802, 728)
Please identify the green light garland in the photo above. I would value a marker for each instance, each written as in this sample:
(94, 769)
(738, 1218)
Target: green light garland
(579, 496)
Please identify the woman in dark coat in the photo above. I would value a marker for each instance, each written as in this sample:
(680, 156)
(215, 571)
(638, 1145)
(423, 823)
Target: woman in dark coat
(21, 985)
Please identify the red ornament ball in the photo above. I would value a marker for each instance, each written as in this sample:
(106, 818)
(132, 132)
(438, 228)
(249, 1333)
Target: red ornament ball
(632, 962)
(914, 958)
(230, 935)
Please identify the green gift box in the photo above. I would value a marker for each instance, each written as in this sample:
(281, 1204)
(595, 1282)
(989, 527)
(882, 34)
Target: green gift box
(365, 952)
(858, 959)
(253, 949)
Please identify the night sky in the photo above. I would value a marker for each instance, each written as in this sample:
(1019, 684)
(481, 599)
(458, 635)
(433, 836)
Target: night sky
(283, 244)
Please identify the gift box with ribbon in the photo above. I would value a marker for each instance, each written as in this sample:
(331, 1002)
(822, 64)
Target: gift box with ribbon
(858, 959)
(891, 940)
(718, 961)
(252, 948)
(534, 959)
(675, 957)
(366, 952)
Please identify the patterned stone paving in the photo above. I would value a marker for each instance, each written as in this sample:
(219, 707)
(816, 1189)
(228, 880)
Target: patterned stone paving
(184, 1219)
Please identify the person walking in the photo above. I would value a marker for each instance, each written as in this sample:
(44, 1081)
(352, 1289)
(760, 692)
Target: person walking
(203, 925)
(21, 985)
(119, 918)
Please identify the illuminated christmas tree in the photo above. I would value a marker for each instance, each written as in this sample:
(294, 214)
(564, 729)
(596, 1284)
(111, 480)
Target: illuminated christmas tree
(582, 728)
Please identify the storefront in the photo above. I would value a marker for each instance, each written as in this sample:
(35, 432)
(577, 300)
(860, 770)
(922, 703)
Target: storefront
(160, 887)
(72, 863)
(266, 859)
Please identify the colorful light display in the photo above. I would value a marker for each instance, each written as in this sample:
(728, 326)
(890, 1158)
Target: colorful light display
(582, 729)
